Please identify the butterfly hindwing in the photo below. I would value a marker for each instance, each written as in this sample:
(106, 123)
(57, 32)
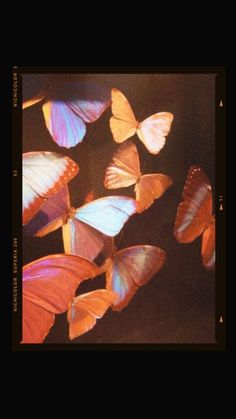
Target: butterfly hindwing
(81, 239)
(208, 247)
(86, 309)
(36, 322)
(153, 130)
(151, 187)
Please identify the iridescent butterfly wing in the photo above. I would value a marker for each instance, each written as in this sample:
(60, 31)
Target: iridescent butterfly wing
(131, 268)
(67, 111)
(84, 232)
(51, 216)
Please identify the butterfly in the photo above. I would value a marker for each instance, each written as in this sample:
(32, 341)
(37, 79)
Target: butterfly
(44, 173)
(128, 269)
(83, 228)
(125, 171)
(49, 285)
(194, 215)
(68, 107)
(85, 309)
(152, 131)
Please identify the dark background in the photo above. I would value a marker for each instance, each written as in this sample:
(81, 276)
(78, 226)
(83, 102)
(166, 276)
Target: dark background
(177, 305)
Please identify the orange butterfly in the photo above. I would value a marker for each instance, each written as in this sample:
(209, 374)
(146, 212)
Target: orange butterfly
(49, 285)
(194, 215)
(44, 174)
(130, 268)
(85, 309)
(125, 171)
(152, 131)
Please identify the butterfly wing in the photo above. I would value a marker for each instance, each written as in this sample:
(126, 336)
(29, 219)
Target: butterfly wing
(131, 268)
(123, 123)
(49, 285)
(44, 173)
(195, 212)
(81, 239)
(151, 187)
(153, 130)
(85, 309)
(65, 126)
(107, 215)
(70, 106)
(124, 169)
(51, 216)
(88, 110)
(208, 246)
(109, 247)
(36, 322)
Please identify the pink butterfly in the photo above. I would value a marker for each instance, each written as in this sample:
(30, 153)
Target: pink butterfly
(68, 108)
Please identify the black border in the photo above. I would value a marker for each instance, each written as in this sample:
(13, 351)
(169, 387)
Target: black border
(220, 129)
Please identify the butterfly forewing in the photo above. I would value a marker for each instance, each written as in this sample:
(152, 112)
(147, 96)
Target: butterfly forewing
(44, 174)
